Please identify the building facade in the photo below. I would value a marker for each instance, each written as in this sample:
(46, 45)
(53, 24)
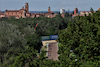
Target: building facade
(50, 14)
(62, 11)
(75, 11)
(82, 13)
(22, 13)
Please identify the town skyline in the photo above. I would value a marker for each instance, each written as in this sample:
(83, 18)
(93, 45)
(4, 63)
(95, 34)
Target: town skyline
(42, 5)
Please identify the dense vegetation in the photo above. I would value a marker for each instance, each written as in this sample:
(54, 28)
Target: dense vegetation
(20, 39)
(79, 40)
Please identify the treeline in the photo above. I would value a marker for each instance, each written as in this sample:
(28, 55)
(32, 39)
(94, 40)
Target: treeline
(20, 39)
(46, 26)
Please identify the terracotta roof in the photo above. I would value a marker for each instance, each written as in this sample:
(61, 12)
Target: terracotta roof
(37, 14)
(50, 12)
(28, 13)
(12, 16)
(32, 14)
(12, 10)
(2, 13)
(74, 15)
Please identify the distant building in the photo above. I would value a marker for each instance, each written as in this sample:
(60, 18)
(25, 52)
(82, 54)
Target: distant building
(24, 12)
(26, 7)
(37, 15)
(50, 14)
(2, 14)
(82, 13)
(75, 11)
(49, 9)
(18, 13)
(62, 11)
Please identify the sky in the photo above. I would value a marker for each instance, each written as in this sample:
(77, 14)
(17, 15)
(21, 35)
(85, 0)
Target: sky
(55, 5)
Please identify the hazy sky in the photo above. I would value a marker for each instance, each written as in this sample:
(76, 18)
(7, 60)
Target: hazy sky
(56, 5)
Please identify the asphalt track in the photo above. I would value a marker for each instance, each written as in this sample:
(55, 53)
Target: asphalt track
(52, 51)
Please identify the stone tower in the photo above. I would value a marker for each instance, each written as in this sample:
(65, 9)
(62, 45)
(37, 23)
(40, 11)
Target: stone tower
(26, 6)
(75, 11)
(48, 9)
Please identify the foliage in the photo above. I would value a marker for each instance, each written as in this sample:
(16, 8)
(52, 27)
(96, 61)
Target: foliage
(26, 58)
(91, 9)
(20, 41)
(11, 42)
(46, 26)
(79, 41)
(83, 38)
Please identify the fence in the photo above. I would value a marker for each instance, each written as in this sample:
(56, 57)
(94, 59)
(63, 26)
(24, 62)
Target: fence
(51, 37)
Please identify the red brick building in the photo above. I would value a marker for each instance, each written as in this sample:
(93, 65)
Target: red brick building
(24, 12)
(82, 13)
(75, 11)
(50, 14)
(18, 13)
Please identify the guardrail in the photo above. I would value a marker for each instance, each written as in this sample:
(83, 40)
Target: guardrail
(51, 37)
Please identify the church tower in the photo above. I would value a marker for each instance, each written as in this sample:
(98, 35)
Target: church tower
(75, 11)
(48, 9)
(26, 6)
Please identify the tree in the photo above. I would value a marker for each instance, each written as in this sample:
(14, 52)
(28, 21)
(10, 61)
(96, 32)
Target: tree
(91, 9)
(26, 58)
(82, 38)
(22, 42)
(11, 42)
(34, 41)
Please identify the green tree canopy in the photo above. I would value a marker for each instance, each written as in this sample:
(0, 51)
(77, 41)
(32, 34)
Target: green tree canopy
(83, 38)
(11, 42)
(91, 9)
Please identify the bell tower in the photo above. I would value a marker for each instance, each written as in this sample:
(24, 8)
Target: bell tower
(48, 9)
(75, 11)
(26, 6)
